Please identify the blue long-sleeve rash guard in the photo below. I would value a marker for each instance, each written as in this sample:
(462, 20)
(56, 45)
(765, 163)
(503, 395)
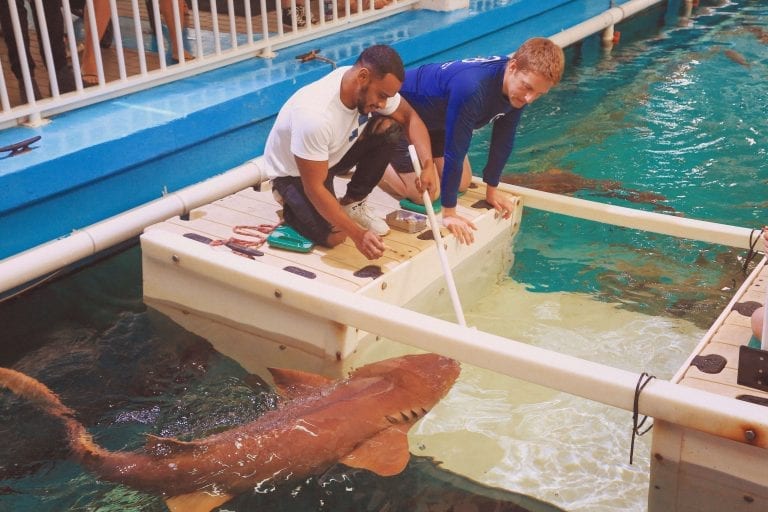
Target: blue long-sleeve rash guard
(459, 97)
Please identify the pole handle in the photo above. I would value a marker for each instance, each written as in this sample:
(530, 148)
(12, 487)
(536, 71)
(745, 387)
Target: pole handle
(439, 241)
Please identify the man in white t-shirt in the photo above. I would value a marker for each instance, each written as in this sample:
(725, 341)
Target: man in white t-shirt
(350, 118)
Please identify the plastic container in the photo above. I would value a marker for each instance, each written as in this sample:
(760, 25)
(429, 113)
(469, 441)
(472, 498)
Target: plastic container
(410, 222)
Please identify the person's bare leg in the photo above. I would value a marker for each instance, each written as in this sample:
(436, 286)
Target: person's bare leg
(403, 185)
(392, 183)
(166, 11)
(88, 61)
(757, 322)
(466, 175)
(466, 172)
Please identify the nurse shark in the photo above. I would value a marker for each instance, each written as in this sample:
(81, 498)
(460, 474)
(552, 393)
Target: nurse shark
(561, 181)
(361, 421)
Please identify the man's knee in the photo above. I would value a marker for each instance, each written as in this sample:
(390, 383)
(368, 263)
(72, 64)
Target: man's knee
(335, 238)
(386, 127)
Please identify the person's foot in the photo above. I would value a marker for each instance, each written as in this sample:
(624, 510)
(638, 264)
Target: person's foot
(360, 213)
(90, 79)
(301, 16)
(187, 57)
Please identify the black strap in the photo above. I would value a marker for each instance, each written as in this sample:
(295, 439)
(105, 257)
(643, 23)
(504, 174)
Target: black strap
(637, 425)
(751, 253)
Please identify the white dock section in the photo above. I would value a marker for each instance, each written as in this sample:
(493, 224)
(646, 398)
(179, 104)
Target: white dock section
(193, 282)
(693, 471)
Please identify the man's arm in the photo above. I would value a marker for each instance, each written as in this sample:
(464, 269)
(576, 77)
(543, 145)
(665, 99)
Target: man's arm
(502, 142)
(417, 134)
(463, 104)
(313, 174)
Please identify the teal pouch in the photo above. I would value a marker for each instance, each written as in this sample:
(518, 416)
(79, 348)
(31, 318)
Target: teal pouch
(285, 237)
(754, 343)
(407, 204)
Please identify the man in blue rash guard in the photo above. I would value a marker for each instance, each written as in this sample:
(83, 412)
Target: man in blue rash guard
(454, 99)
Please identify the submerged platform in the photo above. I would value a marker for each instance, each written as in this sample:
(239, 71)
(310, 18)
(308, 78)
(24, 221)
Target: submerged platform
(207, 278)
(692, 471)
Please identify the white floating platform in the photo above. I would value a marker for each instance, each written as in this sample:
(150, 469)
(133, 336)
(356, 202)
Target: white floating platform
(210, 289)
(692, 471)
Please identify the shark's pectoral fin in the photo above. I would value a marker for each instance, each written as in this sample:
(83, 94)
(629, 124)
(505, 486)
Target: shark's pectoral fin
(385, 454)
(196, 502)
(295, 383)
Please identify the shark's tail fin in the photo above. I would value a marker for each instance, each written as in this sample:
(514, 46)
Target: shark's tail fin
(35, 391)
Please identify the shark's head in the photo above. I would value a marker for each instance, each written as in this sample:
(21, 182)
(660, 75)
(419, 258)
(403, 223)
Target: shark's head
(426, 377)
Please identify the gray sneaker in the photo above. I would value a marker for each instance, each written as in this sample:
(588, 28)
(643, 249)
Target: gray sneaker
(360, 213)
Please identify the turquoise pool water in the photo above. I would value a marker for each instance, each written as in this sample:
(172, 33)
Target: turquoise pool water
(678, 121)
(678, 109)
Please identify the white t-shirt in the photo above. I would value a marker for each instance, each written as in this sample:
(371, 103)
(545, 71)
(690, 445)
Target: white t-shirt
(315, 125)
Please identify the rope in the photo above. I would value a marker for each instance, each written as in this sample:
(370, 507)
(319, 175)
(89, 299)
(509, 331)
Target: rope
(255, 231)
(637, 425)
(239, 241)
(258, 232)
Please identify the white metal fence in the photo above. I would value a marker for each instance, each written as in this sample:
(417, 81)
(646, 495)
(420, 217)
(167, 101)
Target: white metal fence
(57, 55)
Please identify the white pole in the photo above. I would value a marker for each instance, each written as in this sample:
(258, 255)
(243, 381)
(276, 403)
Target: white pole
(439, 241)
(653, 222)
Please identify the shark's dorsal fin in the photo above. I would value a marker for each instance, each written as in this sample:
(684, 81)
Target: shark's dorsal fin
(196, 502)
(295, 383)
(385, 454)
(165, 446)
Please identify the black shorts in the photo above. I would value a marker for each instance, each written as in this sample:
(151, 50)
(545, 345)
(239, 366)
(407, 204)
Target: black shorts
(401, 158)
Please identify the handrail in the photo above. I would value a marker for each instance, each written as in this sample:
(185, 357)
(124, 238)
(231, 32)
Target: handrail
(681, 227)
(261, 43)
(46, 258)
(603, 21)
